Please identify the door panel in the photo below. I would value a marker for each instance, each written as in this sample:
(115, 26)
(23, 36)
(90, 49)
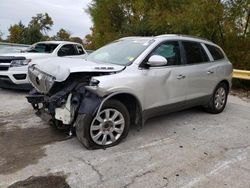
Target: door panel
(165, 86)
(200, 71)
(201, 80)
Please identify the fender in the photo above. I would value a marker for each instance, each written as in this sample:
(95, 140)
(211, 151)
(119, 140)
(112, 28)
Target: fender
(91, 103)
(139, 122)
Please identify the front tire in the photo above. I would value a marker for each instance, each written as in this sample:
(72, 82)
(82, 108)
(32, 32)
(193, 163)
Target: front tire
(105, 130)
(219, 99)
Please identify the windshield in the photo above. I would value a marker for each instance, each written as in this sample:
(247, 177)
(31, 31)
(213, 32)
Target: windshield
(122, 52)
(42, 48)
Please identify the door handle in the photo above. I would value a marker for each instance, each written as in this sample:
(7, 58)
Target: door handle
(210, 72)
(181, 77)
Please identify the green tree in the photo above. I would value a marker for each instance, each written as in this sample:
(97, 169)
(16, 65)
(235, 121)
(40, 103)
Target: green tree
(116, 18)
(238, 16)
(76, 39)
(38, 28)
(17, 33)
(62, 34)
(108, 19)
(34, 32)
(236, 32)
(42, 21)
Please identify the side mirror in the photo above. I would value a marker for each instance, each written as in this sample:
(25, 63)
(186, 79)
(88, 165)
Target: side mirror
(157, 60)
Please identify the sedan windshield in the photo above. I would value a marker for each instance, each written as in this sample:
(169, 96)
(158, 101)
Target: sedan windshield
(42, 48)
(122, 52)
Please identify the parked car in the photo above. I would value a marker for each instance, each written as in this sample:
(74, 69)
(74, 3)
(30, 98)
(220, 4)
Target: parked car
(12, 47)
(129, 81)
(13, 66)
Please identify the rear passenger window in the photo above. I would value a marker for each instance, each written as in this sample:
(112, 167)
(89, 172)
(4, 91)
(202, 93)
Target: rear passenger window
(194, 53)
(215, 52)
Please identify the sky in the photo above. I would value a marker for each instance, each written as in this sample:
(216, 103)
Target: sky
(67, 14)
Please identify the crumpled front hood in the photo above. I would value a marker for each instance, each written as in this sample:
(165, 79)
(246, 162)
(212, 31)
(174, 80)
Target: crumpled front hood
(61, 68)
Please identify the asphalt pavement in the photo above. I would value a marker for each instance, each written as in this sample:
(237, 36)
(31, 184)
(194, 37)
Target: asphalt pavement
(185, 149)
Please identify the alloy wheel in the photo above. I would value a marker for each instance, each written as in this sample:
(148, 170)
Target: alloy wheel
(107, 127)
(220, 98)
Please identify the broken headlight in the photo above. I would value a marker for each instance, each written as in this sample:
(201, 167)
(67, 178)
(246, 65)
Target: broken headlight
(49, 81)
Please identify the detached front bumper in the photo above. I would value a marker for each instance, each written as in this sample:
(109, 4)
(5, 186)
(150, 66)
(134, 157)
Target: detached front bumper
(65, 105)
(39, 105)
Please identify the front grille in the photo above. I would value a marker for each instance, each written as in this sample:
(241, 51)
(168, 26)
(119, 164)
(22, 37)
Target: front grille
(4, 64)
(4, 68)
(6, 60)
(19, 76)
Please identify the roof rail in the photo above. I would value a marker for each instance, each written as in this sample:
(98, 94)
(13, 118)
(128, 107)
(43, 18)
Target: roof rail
(181, 35)
(135, 37)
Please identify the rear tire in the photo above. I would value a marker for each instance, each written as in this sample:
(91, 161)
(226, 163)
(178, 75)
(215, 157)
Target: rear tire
(106, 130)
(219, 99)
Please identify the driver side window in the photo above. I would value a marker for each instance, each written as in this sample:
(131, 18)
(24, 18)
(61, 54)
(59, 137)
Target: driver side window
(171, 51)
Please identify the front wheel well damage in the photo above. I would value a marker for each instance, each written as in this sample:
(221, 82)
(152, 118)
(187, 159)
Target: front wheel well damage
(133, 106)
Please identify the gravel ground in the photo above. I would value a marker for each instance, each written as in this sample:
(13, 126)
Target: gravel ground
(184, 149)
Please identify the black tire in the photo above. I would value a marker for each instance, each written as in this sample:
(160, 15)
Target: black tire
(211, 107)
(84, 121)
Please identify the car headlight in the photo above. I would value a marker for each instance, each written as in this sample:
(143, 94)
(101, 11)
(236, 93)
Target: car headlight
(49, 81)
(19, 62)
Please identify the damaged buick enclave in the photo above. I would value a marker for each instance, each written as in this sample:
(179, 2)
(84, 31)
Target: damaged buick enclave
(128, 81)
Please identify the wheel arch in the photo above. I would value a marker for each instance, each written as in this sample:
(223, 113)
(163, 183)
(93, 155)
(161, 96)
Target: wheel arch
(131, 102)
(226, 82)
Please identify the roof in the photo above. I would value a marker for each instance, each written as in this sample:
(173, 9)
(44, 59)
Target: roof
(169, 36)
(137, 38)
(183, 36)
(58, 42)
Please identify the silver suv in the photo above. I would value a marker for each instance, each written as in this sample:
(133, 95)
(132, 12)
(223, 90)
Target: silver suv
(127, 82)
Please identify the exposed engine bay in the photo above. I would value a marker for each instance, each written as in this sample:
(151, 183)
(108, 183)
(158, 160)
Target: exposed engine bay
(65, 100)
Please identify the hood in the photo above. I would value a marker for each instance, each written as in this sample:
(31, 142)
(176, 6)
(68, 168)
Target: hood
(61, 68)
(27, 55)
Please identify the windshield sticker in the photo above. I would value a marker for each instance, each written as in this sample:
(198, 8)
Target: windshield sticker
(131, 58)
